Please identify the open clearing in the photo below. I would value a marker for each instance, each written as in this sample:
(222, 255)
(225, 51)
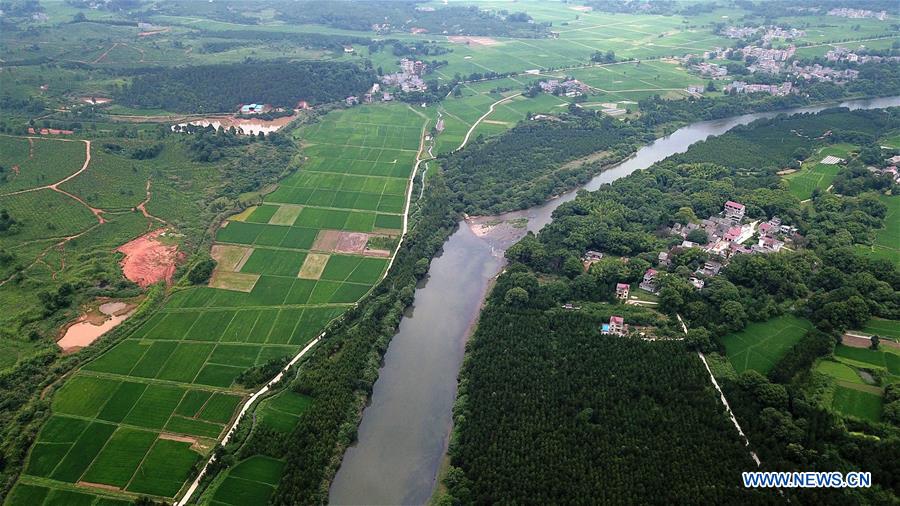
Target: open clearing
(761, 345)
(887, 239)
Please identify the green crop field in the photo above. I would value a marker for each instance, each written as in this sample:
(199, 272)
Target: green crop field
(761, 345)
(887, 239)
(884, 358)
(857, 403)
(251, 481)
(814, 175)
(883, 328)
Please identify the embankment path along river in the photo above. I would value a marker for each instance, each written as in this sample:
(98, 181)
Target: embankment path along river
(405, 429)
(248, 404)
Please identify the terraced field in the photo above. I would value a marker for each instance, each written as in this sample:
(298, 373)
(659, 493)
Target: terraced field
(141, 418)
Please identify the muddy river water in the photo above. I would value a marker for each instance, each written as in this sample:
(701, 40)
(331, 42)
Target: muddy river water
(405, 429)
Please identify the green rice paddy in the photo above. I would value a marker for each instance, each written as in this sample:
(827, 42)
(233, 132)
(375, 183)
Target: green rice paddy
(141, 416)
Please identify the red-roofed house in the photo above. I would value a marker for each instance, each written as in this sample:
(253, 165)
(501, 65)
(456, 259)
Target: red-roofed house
(622, 290)
(616, 326)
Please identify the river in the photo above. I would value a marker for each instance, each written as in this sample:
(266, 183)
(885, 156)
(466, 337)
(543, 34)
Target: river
(406, 427)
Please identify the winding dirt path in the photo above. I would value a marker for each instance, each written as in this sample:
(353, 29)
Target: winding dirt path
(142, 207)
(485, 115)
(98, 213)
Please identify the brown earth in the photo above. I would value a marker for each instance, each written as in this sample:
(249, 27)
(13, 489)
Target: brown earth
(98, 485)
(327, 240)
(352, 242)
(148, 260)
(477, 41)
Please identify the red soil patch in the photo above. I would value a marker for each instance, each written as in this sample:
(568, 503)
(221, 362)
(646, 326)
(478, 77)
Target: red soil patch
(175, 437)
(147, 260)
(352, 242)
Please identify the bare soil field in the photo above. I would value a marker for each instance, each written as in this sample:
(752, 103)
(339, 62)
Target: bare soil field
(252, 126)
(237, 281)
(148, 260)
(230, 258)
(474, 41)
(313, 266)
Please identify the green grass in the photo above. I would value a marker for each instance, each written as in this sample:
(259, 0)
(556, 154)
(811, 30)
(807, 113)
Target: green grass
(814, 175)
(761, 345)
(164, 469)
(883, 328)
(887, 239)
(251, 481)
(839, 370)
(281, 411)
(857, 403)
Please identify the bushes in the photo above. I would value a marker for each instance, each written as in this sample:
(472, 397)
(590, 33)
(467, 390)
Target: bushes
(201, 271)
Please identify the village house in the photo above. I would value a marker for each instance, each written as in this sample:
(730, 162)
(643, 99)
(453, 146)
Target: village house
(622, 290)
(663, 259)
(710, 268)
(352, 100)
(649, 283)
(734, 211)
(697, 282)
(615, 327)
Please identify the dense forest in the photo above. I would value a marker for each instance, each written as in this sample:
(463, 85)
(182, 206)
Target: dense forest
(525, 345)
(222, 88)
(403, 15)
(523, 166)
(551, 412)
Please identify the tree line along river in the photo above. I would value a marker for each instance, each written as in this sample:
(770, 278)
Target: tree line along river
(405, 429)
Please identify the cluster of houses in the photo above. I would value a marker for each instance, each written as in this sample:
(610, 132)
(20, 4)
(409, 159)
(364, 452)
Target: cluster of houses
(710, 69)
(727, 235)
(889, 168)
(844, 12)
(409, 78)
(48, 131)
(769, 33)
(567, 87)
(779, 90)
(826, 74)
(370, 96)
(844, 54)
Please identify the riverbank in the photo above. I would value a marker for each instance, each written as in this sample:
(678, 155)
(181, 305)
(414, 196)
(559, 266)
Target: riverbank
(398, 452)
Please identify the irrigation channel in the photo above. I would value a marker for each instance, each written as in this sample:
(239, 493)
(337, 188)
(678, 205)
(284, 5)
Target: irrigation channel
(406, 427)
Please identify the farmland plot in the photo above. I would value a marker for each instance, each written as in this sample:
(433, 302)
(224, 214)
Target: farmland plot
(139, 417)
